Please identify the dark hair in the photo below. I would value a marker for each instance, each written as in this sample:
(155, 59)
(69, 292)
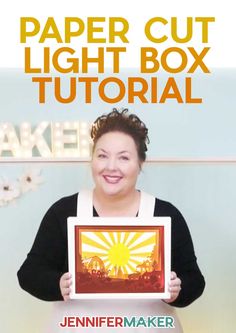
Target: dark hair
(130, 124)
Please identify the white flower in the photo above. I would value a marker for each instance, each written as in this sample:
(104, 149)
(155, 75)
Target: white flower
(8, 191)
(30, 180)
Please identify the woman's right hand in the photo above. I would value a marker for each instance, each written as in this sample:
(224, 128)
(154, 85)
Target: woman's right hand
(65, 284)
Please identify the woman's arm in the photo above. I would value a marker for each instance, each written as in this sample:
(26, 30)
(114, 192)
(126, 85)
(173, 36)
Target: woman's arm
(47, 260)
(183, 259)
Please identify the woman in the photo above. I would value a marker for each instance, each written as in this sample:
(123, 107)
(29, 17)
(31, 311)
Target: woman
(119, 152)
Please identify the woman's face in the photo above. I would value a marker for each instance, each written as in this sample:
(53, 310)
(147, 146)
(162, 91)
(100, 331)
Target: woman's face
(115, 164)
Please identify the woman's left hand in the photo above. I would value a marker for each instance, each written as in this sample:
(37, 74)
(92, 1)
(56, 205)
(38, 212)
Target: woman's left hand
(174, 287)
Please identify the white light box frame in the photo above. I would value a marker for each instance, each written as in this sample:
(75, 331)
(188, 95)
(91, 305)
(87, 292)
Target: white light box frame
(120, 258)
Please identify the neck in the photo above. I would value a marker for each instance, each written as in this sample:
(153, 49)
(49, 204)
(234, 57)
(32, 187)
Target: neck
(107, 205)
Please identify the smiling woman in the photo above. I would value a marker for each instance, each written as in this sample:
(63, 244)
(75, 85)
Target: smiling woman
(120, 144)
(115, 168)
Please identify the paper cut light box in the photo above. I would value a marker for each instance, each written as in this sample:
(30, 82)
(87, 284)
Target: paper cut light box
(119, 257)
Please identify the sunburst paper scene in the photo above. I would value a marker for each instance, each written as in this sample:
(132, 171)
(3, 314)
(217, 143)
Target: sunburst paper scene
(119, 259)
